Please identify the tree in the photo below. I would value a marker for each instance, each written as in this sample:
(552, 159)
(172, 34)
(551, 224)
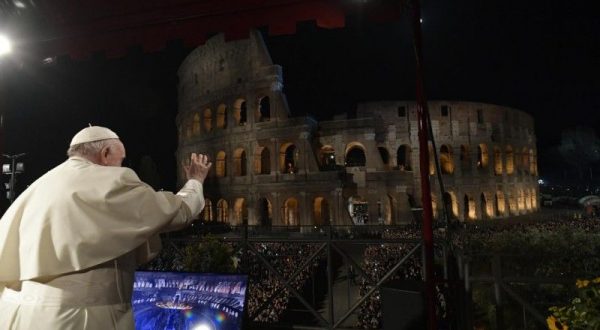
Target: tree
(580, 148)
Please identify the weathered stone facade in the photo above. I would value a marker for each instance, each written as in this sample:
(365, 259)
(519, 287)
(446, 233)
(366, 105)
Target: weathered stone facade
(271, 168)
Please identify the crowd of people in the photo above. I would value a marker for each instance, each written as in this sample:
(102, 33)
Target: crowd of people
(285, 258)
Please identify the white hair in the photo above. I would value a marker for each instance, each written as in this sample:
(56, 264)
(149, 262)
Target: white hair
(90, 149)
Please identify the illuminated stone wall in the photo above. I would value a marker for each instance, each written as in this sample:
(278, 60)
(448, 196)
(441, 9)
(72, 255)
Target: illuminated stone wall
(274, 169)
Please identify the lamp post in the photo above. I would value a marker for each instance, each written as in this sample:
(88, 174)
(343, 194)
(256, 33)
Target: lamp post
(12, 169)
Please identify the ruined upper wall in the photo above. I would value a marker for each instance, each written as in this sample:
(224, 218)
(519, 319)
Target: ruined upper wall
(220, 71)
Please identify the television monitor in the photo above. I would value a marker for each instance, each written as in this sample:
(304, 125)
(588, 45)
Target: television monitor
(188, 301)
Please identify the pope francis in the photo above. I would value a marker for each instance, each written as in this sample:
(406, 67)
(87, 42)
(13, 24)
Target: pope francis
(69, 245)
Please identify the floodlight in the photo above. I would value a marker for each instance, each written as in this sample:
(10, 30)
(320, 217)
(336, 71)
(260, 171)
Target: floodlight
(6, 168)
(5, 45)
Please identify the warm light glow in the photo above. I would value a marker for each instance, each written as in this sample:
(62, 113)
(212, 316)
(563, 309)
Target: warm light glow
(5, 45)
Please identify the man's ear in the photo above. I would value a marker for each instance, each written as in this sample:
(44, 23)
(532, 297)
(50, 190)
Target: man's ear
(104, 154)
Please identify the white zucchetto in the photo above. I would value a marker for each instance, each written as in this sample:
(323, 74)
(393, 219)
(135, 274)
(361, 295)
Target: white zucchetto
(93, 133)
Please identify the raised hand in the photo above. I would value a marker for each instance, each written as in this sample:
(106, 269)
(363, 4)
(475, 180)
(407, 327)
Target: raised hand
(197, 168)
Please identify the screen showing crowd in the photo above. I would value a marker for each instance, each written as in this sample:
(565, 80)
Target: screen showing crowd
(182, 301)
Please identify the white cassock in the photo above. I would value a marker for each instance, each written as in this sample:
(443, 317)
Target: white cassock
(69, 245)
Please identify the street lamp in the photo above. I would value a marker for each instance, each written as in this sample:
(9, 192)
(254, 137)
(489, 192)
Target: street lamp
(12, 169)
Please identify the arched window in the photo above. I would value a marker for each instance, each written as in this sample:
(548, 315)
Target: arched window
(403, 159)
(239, 112)
(355, 155)
(262, 161)
(520, 200)
(446, 162)
(487, 207)
(222, 116)
(265, 212)
(512, 203)
(387, 210)
(385, 155)
(208, 120)
(500, 203)
(469, 208)
(221, 165)
(207, 211)
(264, 109)
(240, 212)
(321, 212)
(222, 211)
(327, 158)
(239, 162)
(510, 161)
(451, 204)
(482, 156)
(196, 125)
(290, 212)
(527, 200)
(288, 158)
(465, 159)
(497, 161)
(533, 196)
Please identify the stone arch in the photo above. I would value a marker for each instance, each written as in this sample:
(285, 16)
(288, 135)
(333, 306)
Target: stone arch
(487, 206)
(207, 119)
(451, 204)
(222, 211)
(265, 212)
(195, 125)
(327, 158)
(434, 205)
(500, 203)
(469, 212)
(527, 200)
(533, 195)
(520, 200)
(431, 159)
(207, 211)
(240, 211)
(403, 158)
(465, 159)
(498, 168)
(240, 162)
(240, 112)
(321, 212)
(510, 160)
(389, 209)
(262, 161)
(385, 155)
(355, 155)
(482, 156)
(222, 116)
(525, 159)
(291, 214)
(512, 203)
(221, 164)
(358, 208)
(288, 158)
(264, 109)
(446, 162)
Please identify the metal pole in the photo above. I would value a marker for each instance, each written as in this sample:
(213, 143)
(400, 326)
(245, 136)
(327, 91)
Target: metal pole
(422, 114)
(12, 181)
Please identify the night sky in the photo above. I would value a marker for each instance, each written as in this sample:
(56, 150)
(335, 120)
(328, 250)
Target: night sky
(542, 57)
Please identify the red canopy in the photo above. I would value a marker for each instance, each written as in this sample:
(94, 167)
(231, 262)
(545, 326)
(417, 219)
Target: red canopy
(84, 27)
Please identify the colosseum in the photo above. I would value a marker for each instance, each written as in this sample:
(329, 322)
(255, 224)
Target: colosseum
(274, 169)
